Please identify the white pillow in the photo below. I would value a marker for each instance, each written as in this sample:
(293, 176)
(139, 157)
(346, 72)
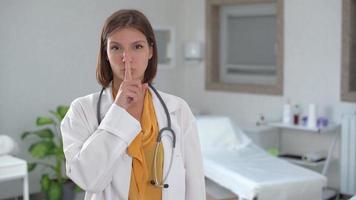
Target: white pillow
(217, 132)
(7, 145)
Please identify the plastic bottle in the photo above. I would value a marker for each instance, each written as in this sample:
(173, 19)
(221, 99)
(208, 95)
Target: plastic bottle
(296, 115)
(287, 113)
(312, 115)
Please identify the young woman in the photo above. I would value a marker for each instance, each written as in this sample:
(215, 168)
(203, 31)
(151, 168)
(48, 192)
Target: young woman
(130, 141)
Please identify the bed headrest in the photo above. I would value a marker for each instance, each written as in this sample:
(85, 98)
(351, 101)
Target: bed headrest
(219, 132)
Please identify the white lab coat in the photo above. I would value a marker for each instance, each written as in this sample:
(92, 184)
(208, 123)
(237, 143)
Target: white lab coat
(96, 157)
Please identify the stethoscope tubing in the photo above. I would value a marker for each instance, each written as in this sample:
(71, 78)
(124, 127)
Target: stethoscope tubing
(159, 137)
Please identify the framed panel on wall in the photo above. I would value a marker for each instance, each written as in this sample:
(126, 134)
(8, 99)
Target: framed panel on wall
(165, 38)
(348, 69)
(245, 46)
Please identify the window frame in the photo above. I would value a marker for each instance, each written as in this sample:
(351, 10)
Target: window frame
(348, 49)
(212, 80)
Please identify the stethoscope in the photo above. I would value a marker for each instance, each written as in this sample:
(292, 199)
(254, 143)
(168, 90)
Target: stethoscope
(155, 182)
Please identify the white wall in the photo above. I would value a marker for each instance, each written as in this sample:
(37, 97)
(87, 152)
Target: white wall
(48, 57)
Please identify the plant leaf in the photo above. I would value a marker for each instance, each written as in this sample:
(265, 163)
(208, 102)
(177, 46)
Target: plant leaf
(25, 134)
(58, 152)
(78, 189)
(44, 121)
(56, 114)
(45, 183)
(44, 133)
(41, 149)
(62, 110)
(55, 191)
(31, 166)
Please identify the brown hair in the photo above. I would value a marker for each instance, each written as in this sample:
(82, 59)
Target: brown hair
(125, 19)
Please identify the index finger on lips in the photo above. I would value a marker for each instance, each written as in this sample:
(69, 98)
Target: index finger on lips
(128, 75)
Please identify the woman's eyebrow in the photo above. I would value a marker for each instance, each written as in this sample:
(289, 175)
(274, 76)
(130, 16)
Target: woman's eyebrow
(135, 42)
(139, 41)
(113, 42)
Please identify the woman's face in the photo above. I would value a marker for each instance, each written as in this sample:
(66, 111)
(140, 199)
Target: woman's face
(134, 45)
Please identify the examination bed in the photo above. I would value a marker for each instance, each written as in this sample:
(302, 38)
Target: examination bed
(233, 161)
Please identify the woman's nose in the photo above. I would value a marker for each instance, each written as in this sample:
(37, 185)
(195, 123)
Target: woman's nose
(126, 57)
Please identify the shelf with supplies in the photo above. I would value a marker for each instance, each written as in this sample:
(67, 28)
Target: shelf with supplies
(328, 129)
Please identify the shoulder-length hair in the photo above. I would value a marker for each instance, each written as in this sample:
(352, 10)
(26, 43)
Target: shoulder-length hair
(125, 19)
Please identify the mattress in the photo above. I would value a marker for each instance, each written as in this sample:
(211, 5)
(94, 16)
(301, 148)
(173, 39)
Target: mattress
(253, 174)
(248, 171)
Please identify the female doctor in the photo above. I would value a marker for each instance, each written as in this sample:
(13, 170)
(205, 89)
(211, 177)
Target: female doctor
(127, 142)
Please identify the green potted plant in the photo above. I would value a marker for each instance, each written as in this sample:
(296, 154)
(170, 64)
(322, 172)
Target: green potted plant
(47, 151)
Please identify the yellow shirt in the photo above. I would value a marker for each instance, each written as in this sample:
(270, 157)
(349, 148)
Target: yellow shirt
(142, 151)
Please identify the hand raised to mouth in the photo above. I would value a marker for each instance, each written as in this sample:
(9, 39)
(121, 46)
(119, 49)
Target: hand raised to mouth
(131, 92)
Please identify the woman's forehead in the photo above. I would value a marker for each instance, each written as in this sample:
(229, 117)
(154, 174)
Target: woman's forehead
(127, 35)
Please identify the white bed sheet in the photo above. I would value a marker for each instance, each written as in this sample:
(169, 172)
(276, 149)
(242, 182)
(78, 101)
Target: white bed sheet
(249, 171)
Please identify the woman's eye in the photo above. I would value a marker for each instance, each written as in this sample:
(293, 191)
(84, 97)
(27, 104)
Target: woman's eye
(138, 46)
(114, 48)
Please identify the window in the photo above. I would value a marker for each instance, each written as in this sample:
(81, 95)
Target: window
(245, 46)
(348, 71)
